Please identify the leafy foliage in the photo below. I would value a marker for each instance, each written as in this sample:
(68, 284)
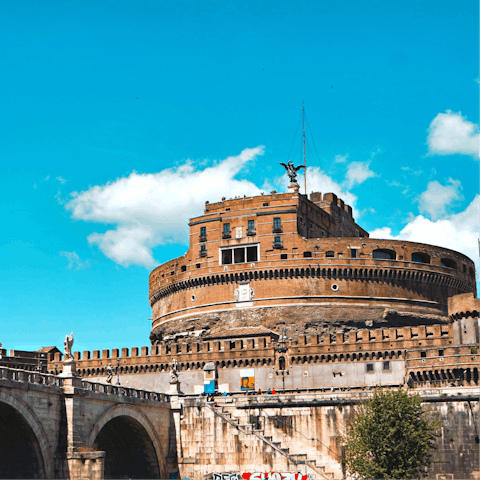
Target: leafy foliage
(390, 436)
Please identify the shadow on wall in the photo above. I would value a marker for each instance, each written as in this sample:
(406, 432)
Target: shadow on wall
(129, 451)
(20, 455)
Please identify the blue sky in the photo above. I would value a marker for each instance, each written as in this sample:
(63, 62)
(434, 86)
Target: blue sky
(120, 118)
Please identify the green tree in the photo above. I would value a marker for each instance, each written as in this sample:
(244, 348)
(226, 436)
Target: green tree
(390, 436)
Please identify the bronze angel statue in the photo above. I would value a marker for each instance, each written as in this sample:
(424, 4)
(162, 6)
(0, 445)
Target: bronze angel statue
(292, 170)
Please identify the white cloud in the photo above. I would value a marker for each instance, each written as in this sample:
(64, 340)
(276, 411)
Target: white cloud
(61, 180)
(457, 231)
(450, 133)
(74, 262)
(437, 197)
(153, 209)
(319, 181)
(342, 158)
(357, 173)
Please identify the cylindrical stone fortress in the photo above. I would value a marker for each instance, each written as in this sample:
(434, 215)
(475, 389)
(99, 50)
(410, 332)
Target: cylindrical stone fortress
(284, 259)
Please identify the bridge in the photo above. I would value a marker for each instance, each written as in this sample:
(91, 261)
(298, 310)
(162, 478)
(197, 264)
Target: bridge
(60, 426)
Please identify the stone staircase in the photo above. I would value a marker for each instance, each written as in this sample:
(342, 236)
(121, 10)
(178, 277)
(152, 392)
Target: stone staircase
(295, 458)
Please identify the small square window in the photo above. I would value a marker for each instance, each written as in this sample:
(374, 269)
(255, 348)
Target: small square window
(184, 268)
(277, 239)
(370, 367)
(440, 353)
(198, 265)
(386, 365)
(283, 256)
(423, 354)
(265, 204)
(203, 248)
(330, 254)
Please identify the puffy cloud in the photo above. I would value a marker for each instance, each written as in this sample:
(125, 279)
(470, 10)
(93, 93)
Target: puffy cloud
(153, 209)
(74, 261)
(319, 181)
(357, 173)
(450, 133)
(457, 231)
(437, 197)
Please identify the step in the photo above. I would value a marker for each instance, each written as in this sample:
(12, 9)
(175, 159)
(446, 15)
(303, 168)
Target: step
(299, 456)
(285, 450)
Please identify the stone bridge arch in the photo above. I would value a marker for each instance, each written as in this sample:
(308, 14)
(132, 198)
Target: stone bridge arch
(124, 417)
(26, 414)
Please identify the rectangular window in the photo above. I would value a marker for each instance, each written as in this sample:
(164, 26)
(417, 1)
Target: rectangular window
(423, 354)
(226, 228)
(184, 268)
(277, 222)
(247, 253)
(386, 365)
(440, 353)
(354, 252)
(252, 254)
(370, 368)
(239, 255)
(226, 257)
(198, 265)
(203, 231)
(203, 248)
(277, 239)
(265, 204)
(283, 256)
(251, 224)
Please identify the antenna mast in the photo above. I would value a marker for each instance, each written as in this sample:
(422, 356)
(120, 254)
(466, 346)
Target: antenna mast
(304, 149)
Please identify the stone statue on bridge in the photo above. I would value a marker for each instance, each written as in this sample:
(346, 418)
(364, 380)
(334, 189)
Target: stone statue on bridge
(109, 373)
(174, 371)
(67, 347)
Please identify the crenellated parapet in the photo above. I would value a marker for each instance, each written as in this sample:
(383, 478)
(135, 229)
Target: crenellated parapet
(354, 346)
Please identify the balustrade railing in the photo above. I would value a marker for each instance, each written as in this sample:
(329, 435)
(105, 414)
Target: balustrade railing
(124, 391)
(18, 375)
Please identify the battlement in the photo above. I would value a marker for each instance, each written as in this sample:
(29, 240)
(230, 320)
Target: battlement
(360, 341)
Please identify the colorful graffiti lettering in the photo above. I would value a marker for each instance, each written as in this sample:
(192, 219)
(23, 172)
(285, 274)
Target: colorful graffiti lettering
(226, 476)
(275, 476)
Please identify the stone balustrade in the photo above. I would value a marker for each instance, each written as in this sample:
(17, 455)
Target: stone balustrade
(18, 375)
(124, 391)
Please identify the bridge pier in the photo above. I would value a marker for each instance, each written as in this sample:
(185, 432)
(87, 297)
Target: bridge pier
(81, 461)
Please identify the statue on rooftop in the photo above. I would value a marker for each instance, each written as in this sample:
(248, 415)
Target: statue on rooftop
(67, 346)
(292, 170)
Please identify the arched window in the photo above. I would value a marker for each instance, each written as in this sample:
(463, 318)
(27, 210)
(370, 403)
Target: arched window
(330, 254)
(420, 257)
(384, 254)
(448, 262)
(281, 363)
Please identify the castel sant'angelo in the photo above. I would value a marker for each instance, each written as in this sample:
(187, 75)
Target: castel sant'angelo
(287, 271)
(286, 311)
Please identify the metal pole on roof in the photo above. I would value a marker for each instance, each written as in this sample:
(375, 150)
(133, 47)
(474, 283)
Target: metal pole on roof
(304, 149)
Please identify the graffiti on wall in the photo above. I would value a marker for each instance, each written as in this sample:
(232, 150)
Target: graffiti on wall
(263, 476)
